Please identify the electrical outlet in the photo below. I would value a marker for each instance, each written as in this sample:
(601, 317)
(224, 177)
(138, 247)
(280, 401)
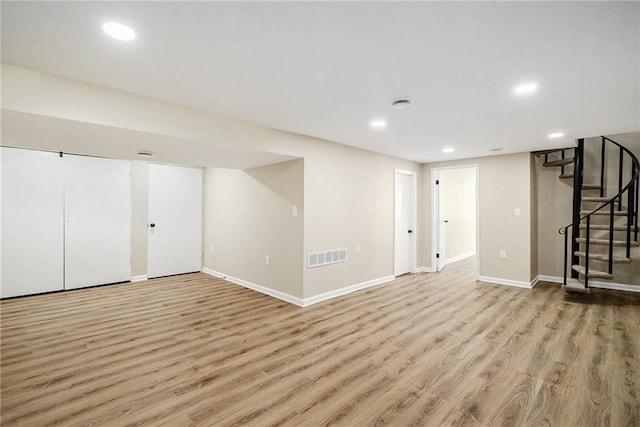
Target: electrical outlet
(358, 248)
(267, 260)
(295, 211)
(503, 254)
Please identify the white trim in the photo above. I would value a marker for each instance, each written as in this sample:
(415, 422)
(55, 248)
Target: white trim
(300, 302)
(140, 278)
(413, 262)
(534, 281)
(550, 279)
(508, 282)
(592, 284)
(614, 286)
(347, 290)
(258, 288)
(424, 270)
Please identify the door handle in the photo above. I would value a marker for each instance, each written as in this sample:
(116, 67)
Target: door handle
(446, 220)
(152, 225)
(410, 231)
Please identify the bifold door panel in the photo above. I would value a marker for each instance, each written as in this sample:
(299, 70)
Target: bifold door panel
(66, 222)
(97, 221)
(32, 222)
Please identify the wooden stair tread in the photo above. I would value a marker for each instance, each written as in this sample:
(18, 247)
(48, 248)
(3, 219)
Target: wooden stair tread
(606, 227)
(552, 150)
(604, 258)
(596, 199)
(606, 242)
(605, 212)
(559, 162)
(574, 285)
(566, 175)
(591, 186)
(593, 274)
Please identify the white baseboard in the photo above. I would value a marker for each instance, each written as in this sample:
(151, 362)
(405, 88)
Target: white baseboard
(459, 257)
(300, 302)
(614, 286)
(140, 278)
(347, 290)
(508, 282)
(550, 279)
(258, 288)
(424, 270)
(594, 284)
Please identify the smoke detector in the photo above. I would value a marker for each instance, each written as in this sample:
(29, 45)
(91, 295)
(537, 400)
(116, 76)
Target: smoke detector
(401, 103)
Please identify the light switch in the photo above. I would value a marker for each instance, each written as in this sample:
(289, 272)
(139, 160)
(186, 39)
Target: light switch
(516, 211)
(295, 211)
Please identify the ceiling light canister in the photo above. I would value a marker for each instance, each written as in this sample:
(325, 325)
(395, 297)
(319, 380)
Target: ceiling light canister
(525, 88)
(119, 31)
(378, 124)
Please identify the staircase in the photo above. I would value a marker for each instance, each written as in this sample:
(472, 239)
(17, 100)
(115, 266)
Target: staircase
(604, 227)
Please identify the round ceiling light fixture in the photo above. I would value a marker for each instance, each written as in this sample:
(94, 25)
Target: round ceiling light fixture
(526, 88)
(119, 31)
(378, 124)
(145, 153)
(401, 103)
(496, 149)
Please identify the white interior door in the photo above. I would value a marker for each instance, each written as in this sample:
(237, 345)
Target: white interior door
(32, 228)
(97, 221)
(175, 220)
(441, 249)
(404, 233)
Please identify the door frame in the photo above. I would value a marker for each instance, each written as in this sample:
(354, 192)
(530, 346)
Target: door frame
(435, 213)
(413, 252)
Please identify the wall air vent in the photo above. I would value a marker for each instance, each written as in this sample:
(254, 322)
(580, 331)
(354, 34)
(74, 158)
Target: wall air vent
(317, 259)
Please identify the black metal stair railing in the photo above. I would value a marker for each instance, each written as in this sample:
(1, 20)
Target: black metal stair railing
(630, 192)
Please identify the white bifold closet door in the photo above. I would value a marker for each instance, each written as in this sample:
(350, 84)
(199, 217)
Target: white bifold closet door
(31, 257)
(97, 212)
(175, 220)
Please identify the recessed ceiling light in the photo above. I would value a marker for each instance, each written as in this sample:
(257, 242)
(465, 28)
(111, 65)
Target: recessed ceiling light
(378, 124)
(145, 153)
(119, 31)
(556, 135)
(401, 103)
(525, 88)
(447, 150)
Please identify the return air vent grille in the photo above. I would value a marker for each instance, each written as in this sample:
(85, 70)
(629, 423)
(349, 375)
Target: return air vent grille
(317, 259)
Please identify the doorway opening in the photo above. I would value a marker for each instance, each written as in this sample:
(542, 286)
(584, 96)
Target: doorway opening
(405, 214)
(455, 215)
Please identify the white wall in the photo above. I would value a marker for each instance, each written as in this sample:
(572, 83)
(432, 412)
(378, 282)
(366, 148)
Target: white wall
(248, 216)
(504, 184)
(348, 192)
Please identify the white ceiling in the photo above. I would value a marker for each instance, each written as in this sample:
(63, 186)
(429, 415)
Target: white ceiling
(326, 69)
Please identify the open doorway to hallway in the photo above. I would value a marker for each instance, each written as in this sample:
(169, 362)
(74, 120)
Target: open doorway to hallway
(455, 215)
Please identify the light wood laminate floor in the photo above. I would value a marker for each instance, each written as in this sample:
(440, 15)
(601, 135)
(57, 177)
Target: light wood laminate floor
(424, 350)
